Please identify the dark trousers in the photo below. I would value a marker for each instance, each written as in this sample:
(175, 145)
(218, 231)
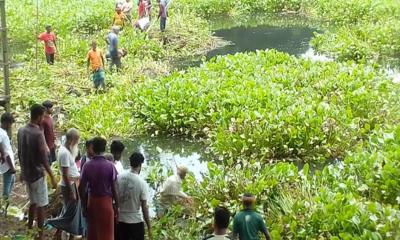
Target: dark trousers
(50, 58)
(134, 231)
(163, 23)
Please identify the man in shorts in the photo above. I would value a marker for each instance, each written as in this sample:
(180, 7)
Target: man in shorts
(95, 60)
(33, 157)
(50, 45)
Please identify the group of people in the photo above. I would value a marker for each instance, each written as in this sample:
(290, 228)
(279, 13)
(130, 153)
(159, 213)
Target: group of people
(122, 17)
(101, 200)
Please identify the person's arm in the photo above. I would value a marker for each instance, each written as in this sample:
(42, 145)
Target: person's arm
(115, 197)
(45, 161)
(55, 42)
(40, 37)
(263, 229)
(146, 216)
(88, 61)
(102, 58)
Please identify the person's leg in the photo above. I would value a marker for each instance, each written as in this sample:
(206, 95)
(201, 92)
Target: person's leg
(8, 183)
(118, 63)
(52, 59)
(31, 215)
(48, 60)
(40, 221)
(137, 230)
(163, 21)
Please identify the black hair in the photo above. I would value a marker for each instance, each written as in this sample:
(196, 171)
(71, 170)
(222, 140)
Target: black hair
(117, 147)
(136, 159)
(247, 203)
(47, 104)
(88, 142)
(99, 145)
(37, 110)
(221, 217)
(7, 118)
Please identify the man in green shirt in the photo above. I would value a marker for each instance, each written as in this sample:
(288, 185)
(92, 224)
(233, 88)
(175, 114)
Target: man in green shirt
(248, 223)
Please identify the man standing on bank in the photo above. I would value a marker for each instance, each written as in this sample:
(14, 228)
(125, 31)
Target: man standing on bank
(100, 178)
(7, 163)
(47, 126)
(50, 45)
(133, 196)
(33, 157)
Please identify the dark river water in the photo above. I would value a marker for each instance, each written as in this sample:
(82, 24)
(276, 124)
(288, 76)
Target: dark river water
(292, 40)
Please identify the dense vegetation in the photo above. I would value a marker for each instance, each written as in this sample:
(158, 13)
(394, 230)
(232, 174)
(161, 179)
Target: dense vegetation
(256, 111)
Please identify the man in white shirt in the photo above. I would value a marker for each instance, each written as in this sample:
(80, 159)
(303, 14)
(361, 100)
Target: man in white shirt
(133, 197)
(221, 224)
(69, 175)
(116, 149)
(171, 192)
(127, 9)
(7, 164)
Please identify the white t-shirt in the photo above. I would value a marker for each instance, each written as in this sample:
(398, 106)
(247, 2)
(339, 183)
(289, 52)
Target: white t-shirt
(173, 187)
(66, 159)
(132, 189)
(5, 142)
(119, 167)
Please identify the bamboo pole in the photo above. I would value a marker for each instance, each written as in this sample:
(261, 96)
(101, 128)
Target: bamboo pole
(6, 61)
(37, 33)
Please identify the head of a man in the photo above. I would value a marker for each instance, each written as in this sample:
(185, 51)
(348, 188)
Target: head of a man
(117, 148)
(48, 29)
(37, 113)
(99, 145)
(182, 171)
(221, 220)
(115, 29)
(136, 160)
(248, 200)
(94, 45)
(118, 9)
(7, 121)
(72, 141)
(48, 106)
(89, 148)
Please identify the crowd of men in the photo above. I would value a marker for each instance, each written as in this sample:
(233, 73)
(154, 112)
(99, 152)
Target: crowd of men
(101, 200)
(122, 18)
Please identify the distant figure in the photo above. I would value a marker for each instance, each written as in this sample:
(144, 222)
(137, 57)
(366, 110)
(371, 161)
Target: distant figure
(50, 45)
(127, 9)
(95, 60)
(119, 18)
(33, 157)
(133, 197)
(221, 224)
(248, 223)
(70, 219)
(99, 176)
(7, 163)
(89, 153)
(162, 14)
(172, 193)
(47, 125)
(117, 148)
(113, 54)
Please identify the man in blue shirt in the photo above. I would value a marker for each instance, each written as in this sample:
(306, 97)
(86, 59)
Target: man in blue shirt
(112, 41)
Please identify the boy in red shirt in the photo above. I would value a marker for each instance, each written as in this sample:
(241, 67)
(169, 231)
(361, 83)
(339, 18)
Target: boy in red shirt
(50, 46)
